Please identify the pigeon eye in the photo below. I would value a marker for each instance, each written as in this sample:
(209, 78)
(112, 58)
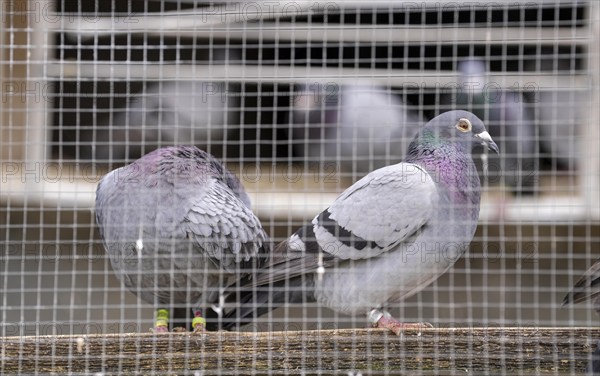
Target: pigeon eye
(464, 125)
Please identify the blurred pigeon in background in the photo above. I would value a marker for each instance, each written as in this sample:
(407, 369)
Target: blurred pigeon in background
(588, 288)
(560, 114)
(508, 118)
(177, 226)
(386, 237)
(363, 126)
(165, 113)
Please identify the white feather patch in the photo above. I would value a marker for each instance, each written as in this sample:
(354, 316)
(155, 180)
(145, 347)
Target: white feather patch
(139, 246)
(296, 244)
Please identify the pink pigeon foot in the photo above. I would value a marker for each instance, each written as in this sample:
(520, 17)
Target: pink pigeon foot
(384, 320)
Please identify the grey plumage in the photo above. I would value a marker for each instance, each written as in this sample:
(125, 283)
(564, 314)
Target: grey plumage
(363, 125)
(177, 226)
(586, 288)
(387, 236)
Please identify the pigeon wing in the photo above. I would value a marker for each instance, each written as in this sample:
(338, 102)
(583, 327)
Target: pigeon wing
(376, 214)
(225, 229)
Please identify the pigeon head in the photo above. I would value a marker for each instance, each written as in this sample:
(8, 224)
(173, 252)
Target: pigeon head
(462, 129)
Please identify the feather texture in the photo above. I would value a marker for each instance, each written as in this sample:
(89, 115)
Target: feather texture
(388, 235)
(178, 226)
(586, 288)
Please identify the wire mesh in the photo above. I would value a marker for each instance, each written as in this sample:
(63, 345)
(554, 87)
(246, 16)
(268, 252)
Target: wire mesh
(299, 100)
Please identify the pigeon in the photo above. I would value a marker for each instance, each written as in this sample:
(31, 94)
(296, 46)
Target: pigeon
(384, 238)
(177, 225)
(362, 125)
(163, 114)
(588, 288)
(560, 113)
(508, 117)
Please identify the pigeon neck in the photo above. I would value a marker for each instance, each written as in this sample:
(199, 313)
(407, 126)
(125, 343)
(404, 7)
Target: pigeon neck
(451, 169)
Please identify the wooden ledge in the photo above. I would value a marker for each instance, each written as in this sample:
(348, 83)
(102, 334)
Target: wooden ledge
(348, 351)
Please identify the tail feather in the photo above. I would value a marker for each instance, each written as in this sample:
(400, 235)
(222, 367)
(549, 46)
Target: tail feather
(581, 294)
(251, 303)
(285, 278)
(587, 288)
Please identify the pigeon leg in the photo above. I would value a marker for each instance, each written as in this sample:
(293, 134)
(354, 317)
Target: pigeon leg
(162, 321)
(198, 323)
(382, 319)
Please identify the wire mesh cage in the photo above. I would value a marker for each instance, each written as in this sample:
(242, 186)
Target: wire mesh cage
(270, 245)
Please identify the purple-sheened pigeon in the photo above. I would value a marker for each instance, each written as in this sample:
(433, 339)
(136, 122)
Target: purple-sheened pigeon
(383, 239)
(177, 226)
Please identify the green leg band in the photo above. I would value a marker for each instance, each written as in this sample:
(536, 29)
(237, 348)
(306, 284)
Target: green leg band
(198, 320)
(162, 318)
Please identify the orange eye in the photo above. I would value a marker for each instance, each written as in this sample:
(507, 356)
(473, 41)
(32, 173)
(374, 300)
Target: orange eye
(464, 125)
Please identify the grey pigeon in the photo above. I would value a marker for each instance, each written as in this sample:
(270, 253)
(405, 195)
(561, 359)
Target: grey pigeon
(509, 119)
(588, 288)
(177, 226)
(560, 113)
(386, 237)
(363, 125)
(165, 113)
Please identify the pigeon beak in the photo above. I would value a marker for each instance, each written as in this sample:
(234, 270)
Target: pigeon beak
(487, 141)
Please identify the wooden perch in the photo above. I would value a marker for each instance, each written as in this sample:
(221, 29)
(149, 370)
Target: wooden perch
(467, 351)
